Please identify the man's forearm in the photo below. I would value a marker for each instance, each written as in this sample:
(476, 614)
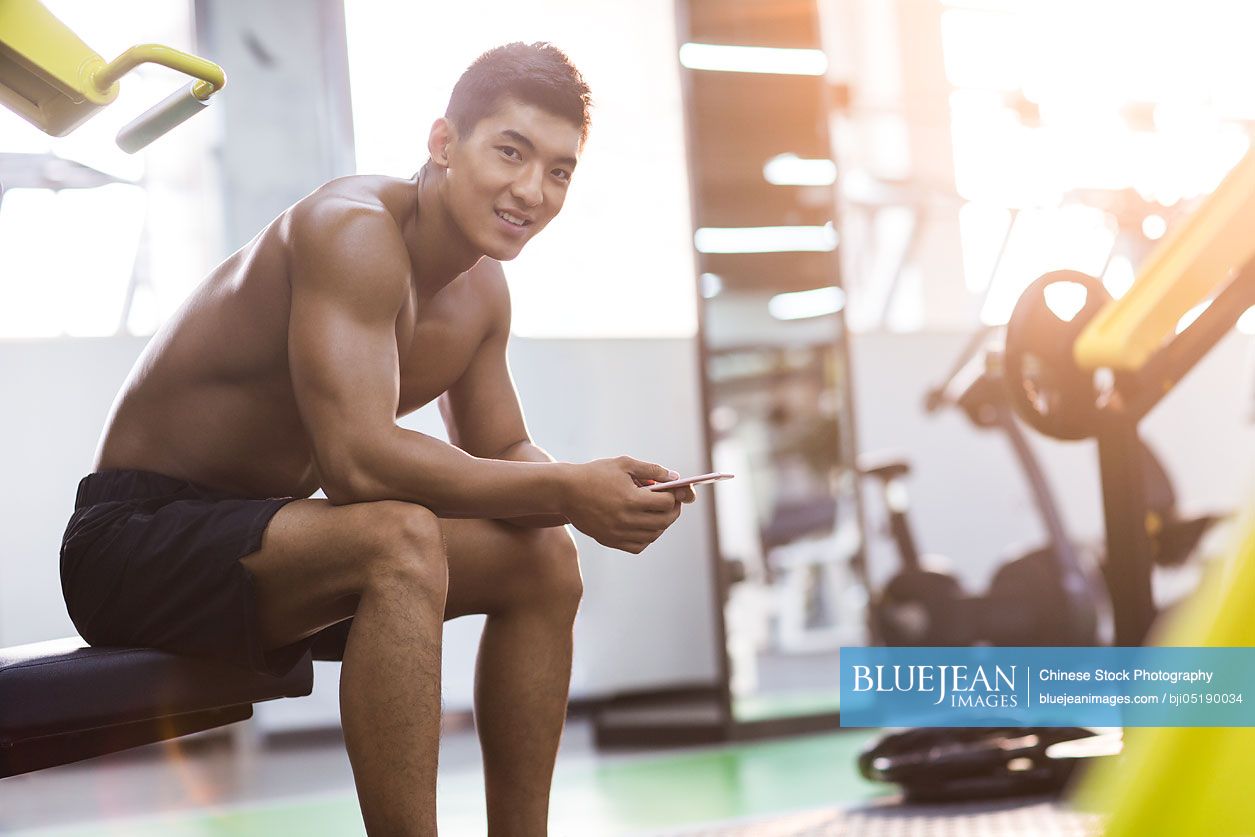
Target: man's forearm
(411, 466)
(527, 451)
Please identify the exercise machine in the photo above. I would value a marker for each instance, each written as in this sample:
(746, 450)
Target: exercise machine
(1173, 780)
(56, 82)
(1101, 374)
(1047, 596)
(1076, 365)
(1042, 597)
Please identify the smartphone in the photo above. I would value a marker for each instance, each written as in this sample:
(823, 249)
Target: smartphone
(704, 478)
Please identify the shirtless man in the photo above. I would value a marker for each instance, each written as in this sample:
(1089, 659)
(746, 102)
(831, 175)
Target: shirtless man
(285, 372)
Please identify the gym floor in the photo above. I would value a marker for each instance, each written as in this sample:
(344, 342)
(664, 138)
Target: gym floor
(303, 786)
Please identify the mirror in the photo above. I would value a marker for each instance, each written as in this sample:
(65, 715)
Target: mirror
(788, 529)
(776, 379)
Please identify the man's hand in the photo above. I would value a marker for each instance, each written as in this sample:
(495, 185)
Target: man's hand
(608, 503)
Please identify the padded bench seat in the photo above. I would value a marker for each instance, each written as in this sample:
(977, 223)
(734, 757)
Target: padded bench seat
(63, 700)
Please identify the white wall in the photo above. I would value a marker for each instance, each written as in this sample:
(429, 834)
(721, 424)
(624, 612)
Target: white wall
(646, 620)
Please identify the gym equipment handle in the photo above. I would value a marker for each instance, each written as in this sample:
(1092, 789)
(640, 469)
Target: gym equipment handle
(175, 108)
(171, 111)
(191, 65)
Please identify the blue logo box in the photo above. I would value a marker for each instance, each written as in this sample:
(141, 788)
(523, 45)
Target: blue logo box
(1101, 687)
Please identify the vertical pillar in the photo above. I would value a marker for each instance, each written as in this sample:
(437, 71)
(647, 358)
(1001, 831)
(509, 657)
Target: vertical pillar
(286, 119)
(1128, 562)
(944, 296)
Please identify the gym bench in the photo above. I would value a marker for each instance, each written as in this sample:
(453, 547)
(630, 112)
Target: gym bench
(63, 700)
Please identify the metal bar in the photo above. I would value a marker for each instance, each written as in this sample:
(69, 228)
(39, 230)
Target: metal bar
(192, 65)
(1061, 545)
(720, 581)
(1127, 567)
(1174, 361)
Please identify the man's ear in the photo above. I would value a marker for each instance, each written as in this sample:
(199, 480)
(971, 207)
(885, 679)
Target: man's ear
(442, 134)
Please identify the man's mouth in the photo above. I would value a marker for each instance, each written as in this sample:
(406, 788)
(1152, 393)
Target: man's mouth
(511, 218)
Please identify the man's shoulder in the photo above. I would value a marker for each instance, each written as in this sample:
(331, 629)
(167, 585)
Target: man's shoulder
(357, 200)
(343, 238)
(347, 220)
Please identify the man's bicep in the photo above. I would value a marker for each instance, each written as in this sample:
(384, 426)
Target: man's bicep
(343, 358)
(342, 367)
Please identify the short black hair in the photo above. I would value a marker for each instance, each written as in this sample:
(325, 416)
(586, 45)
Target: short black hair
(537, 74)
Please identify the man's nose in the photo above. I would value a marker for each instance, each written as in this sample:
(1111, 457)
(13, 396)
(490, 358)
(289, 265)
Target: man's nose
(527, 187)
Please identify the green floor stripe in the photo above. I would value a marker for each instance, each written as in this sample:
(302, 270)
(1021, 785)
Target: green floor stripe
(738, 781)
(326, 817)
(590, 796)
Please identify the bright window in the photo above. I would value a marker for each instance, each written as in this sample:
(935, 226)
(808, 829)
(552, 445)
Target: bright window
(1096, 125)
(118, 257)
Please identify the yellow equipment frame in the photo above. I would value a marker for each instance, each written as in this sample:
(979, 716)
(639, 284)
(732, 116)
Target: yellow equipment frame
(1180, 273)
(1188, 781)
(56, 82)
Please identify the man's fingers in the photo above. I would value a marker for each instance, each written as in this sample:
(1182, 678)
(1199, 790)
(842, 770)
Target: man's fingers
(650, 518)
(655, 501)
(655, 519)
(670, 514)
(685, 494)
(646, 471)
(652, 529)
(635, 540)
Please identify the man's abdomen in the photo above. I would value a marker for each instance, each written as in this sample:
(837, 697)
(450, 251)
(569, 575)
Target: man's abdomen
(247, 439)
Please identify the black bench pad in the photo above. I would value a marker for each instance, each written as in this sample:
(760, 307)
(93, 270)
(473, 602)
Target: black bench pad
(65, 689)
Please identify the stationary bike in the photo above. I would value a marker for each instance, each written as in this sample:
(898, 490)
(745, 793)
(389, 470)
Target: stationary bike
(1041, 598)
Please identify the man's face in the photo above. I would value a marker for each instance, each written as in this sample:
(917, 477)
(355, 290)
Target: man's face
(509, 178)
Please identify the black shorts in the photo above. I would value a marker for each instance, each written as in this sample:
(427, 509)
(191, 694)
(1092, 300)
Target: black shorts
(152, 561)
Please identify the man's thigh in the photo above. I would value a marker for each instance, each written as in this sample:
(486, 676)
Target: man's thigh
(311, 567)
(493, 564)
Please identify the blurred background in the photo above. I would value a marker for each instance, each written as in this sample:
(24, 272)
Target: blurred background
(790, 218)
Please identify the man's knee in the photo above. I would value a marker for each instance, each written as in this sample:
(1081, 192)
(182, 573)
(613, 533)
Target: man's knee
(406, 545)
(550, 571)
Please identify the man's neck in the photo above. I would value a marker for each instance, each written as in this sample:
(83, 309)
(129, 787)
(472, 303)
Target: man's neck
(439, 252)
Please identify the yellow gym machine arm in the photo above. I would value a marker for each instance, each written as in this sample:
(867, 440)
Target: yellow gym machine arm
(1208, 259)
(1177, 780)
(56, 82)
(1183, 271)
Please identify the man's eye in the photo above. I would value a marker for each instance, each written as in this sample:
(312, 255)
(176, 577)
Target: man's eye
(511, 152)
(562, 174)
